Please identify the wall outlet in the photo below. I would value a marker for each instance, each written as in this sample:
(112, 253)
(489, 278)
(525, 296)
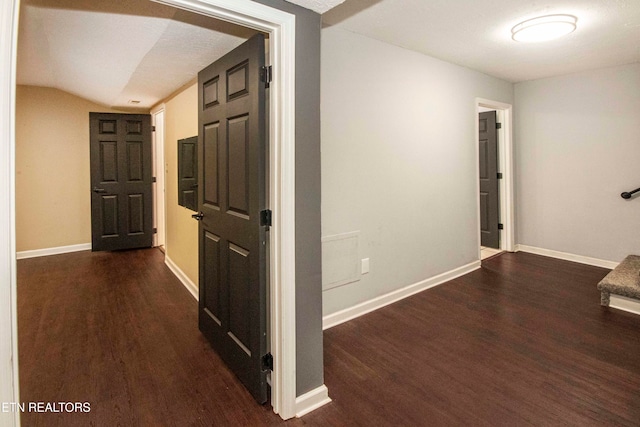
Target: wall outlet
(365, 266)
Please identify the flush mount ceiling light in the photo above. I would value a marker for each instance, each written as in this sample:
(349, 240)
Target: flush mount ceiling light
(544, 28)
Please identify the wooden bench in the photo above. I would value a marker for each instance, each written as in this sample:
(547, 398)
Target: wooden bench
(624, 280)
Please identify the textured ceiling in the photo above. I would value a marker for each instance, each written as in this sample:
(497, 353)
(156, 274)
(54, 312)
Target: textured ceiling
(119, 50)
(477, 33)
(113, 52)
(320, 6)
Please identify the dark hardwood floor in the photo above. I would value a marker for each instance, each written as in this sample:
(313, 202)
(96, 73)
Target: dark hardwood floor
(522, 341)
(118, 330)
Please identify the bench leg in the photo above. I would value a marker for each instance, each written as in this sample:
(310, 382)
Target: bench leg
(604, 298)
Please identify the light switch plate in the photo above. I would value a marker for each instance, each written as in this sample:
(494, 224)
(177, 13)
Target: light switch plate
(365, 266)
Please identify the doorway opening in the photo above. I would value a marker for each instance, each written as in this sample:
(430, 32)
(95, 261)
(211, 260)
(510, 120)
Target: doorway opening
(281, 28)
(495, 211)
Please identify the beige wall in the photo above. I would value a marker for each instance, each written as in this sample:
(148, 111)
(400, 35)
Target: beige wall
(53, 201)
(181, 242)
(53, 204)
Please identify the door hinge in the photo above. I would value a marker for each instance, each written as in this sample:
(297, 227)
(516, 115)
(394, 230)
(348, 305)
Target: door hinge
(153, 128)
(155, 230)
(500, 227)
(499, 175)
(266, 74)
(498, 125)
(265, 218)
(153, 179)
(267, 362)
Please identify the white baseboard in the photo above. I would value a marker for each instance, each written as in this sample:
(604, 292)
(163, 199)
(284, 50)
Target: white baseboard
(53, 251)
(191, 287)
(568, 257)
(312, 400)
(350, 313)
(623, 303)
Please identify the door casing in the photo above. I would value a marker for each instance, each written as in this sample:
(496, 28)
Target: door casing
(281, 27)
(505, 165)
(159, 210)
(9, 384)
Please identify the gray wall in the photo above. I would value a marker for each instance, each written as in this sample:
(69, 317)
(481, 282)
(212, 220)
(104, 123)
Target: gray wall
(577, 148)
(399, 161)
(309, 364)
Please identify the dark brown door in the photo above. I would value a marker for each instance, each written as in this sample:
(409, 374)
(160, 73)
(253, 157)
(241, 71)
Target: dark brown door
(489, 194)
(121, 198)
(231, 194)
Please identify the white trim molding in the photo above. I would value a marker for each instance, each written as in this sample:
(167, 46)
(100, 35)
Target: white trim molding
(281, 27)
(567, 256)
(363, 308)
(9, 383)
(623, 303)
(159, 186)
(53, 251)
(184, 279)
(312, 400)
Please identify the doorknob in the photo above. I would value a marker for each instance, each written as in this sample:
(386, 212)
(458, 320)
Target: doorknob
(198, 216)
(99, 190)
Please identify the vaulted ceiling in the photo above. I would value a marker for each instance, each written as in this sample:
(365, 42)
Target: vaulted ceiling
(117, 51)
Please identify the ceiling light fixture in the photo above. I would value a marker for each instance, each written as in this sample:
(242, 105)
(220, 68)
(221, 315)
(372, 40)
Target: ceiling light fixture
(544, 28)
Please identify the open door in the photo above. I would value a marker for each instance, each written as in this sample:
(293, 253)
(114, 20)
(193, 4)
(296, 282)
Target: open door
(489, 192)
(121, 187)
(232, 201)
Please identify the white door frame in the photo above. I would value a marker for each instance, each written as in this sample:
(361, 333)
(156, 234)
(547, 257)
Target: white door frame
(505, 165)
(159, 209)
(9, 385)
(280, 26)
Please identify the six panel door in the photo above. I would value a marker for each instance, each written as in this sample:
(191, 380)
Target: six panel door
(121, 197)
(489, 192)
(232, 194)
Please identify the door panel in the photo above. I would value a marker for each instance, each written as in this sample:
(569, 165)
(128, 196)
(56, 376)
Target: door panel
(212, 273)
(121, 198)
(211, 188)
(237, 180)
(134, 161)
(136, 214)
(232, 191)
(489, 192)
(109, 216)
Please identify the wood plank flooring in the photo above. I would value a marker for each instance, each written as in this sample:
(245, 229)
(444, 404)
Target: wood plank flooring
(522, 341)
(119, 331)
